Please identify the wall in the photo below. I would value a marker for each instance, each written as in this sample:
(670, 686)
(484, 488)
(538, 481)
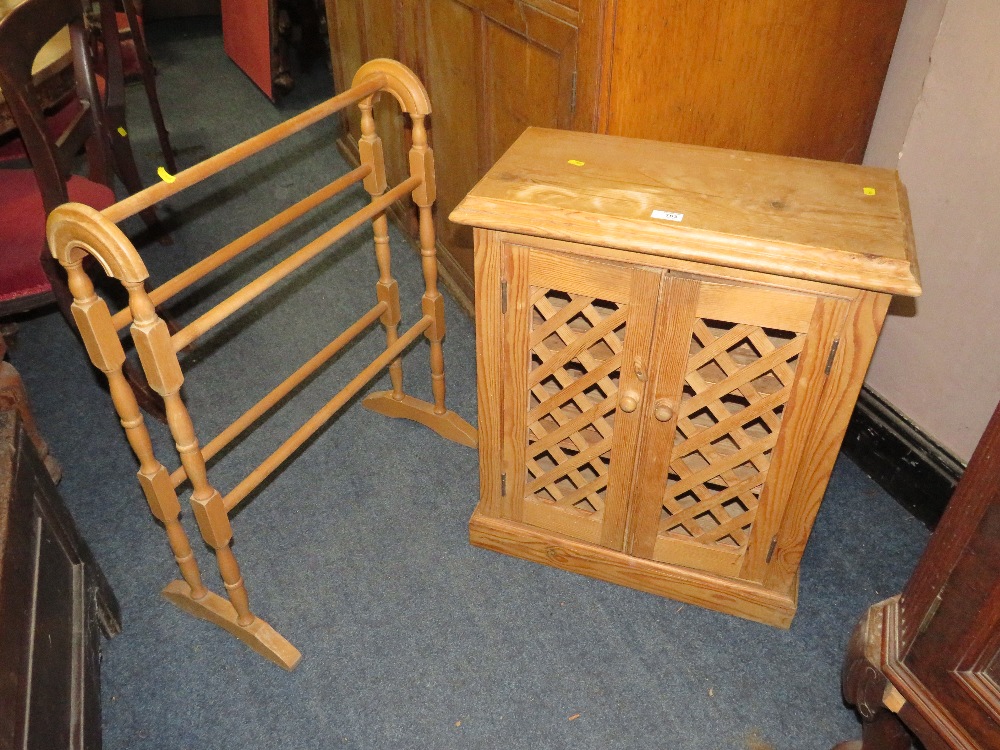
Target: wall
(939, 123)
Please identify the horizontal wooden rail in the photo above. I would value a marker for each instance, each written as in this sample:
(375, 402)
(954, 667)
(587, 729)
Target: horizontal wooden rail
(193, 175)
(256, 411)
(204, 267)
(321, 417)
(269, 278)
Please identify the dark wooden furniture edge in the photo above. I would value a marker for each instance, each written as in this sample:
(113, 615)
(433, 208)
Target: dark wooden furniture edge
(58, 516)
(880, 686)
(929, 655)
(32, 512)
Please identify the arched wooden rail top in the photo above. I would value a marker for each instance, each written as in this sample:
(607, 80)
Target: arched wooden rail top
(75, 230)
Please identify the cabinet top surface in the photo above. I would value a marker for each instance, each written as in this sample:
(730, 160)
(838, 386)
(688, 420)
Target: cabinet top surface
(837, 223)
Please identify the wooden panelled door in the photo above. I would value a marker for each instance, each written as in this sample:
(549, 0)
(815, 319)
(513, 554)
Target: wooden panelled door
(647, 406)
(493, 68)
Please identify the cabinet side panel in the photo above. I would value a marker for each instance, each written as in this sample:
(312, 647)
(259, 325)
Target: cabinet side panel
(246, 38)
(819, 441)
(55, 647)
(489, 370)
(517, 320)
(977, 495)
(797, 78)
(17, 583)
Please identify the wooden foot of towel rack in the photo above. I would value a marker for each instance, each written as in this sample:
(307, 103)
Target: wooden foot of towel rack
(75, 231)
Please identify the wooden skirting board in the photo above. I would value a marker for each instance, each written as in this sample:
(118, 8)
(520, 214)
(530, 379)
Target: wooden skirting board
(907, 463)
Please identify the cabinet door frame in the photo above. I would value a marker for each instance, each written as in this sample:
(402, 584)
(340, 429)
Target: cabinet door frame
(843, 370)
(635, 289)
(684, 317)
(842, 326)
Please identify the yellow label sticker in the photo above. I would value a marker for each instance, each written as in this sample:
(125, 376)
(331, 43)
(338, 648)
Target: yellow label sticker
(165, 175)
(869, 191)
(576, 162)
(122, 132)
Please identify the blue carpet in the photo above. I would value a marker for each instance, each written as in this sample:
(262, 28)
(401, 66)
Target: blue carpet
(357, 552)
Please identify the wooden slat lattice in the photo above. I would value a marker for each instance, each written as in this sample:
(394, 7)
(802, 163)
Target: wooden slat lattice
(576, 345)
(739, 378)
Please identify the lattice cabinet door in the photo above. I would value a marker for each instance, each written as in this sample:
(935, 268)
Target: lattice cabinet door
(573, 330)
(731, 361)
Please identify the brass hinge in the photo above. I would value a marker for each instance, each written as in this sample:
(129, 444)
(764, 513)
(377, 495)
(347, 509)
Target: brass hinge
(572, 95)
(503, 296)
(770, 550)
(833, 353)
(503, 484)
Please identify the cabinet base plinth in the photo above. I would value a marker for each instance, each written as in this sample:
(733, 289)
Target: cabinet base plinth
(734, 597)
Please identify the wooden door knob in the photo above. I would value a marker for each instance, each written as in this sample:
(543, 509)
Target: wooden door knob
(628, 402)
(662, 410)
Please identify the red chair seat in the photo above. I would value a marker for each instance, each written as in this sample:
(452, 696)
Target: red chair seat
(22, 229)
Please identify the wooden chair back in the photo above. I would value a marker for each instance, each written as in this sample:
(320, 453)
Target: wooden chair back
(23, 32)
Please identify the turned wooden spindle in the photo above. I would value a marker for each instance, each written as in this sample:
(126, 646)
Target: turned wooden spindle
(105, 350)
(387, 290)
(152, 342)
(74, 230)
(432, 304)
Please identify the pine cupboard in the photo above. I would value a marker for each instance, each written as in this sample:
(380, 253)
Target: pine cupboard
(670, 342)
(798, 78)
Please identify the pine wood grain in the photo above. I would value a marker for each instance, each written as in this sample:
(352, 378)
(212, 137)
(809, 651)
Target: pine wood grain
(778, 76)
(792, 217)
(489, 373)
(672, 581)
(674, 392)
(76, 231)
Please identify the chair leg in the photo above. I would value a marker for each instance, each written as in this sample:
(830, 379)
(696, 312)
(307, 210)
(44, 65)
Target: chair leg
(112, 109)
(124, 162)
(148, 71)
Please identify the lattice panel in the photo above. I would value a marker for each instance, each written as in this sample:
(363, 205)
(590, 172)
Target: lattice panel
(576, 348)
(738, 380)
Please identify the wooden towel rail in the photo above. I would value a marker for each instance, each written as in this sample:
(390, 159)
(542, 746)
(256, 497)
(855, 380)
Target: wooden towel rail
(75, 231)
